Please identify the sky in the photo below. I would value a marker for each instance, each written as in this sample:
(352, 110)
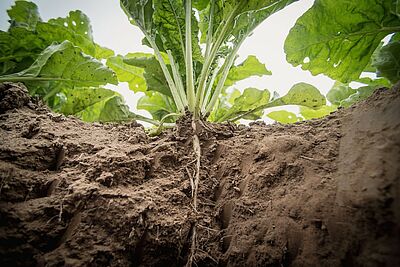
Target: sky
(112, 29)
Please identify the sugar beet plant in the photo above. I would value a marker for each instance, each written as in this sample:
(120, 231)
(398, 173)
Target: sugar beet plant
(195, 44)
(176, 29)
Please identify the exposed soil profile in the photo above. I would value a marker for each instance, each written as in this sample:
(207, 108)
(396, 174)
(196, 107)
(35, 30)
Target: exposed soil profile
(317, 193)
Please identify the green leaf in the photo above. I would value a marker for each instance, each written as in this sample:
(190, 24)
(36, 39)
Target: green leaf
(361, 94)
(283, 116)
(92, 104)
(140, 13)
(103, 52)
(250, 67)
(301, 94)
(133, 75)
(252, 12)
(304, 94)
(77, 22)
(248, 100)
(65, 63)
(24, 14)
(109, 110)
(337, 38)
(169, 19)
(158, 105)
(59, 33)
(343, 95)
(153, 73)
(309, 113)
(387, 62)
(339, 92)
(200, 4)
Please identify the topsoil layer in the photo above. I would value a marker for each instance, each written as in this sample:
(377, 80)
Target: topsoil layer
(317, 193)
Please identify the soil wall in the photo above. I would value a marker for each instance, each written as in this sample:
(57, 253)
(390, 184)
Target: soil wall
(317, 193)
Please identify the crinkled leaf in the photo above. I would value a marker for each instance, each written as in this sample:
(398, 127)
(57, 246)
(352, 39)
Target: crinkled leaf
(21, 45)
(250, 67)
(337, 38)
(304, 94)
(284, 116)
(158, 105)
(309, 113)
(18, 49)
(59, 33)
(133, 75)
(387, 61)
(66, 63)
(24, 14)
(169, 19)
(153, 74)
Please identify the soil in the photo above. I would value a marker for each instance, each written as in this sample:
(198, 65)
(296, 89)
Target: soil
(318, 193)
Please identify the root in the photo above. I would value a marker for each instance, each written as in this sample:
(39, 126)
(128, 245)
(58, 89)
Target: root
(194, 181)
(197, 152)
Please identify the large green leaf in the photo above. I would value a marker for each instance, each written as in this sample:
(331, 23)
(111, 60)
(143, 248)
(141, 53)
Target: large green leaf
(338, 37)
(24, 14)
(250, 67)
(67, 64)
(25, 40)
(133, 75)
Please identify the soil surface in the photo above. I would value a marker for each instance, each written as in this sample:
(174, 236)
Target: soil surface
(318, 193)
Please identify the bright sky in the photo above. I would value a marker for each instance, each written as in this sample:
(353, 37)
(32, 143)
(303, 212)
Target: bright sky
(112, 29)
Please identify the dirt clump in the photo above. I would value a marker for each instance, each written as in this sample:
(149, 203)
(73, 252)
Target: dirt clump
(318, 193)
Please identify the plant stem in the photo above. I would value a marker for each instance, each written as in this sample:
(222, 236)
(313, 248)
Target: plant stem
(189, 60)
(170, 81)
(209, 91)
(205, 71)
(177, 78)
(227, 66)
(210, 30)
(53, 91)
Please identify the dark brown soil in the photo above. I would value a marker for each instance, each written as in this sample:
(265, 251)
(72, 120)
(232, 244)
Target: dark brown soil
(318, 193)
